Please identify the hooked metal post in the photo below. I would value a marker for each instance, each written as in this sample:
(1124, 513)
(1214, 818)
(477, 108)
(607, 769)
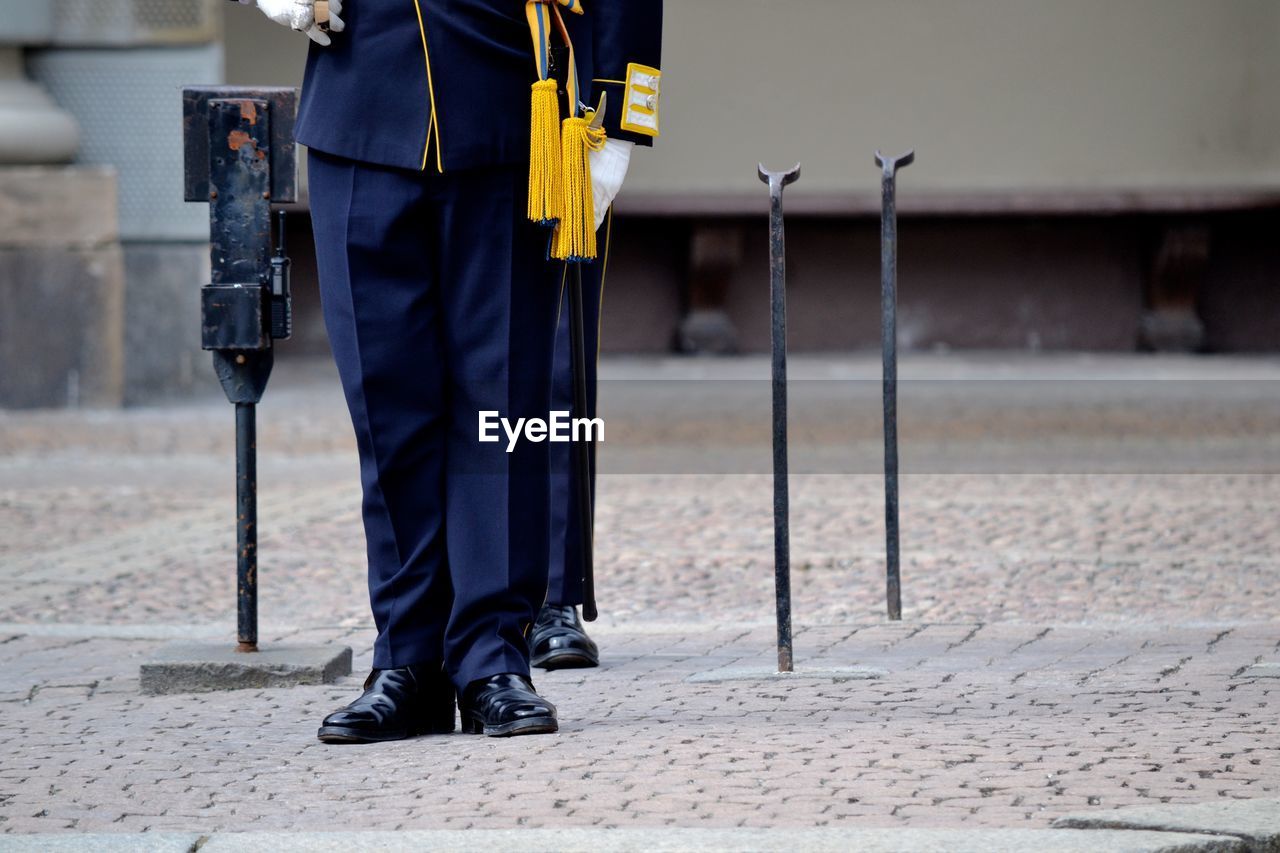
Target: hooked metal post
(781, 499)
(889, 343)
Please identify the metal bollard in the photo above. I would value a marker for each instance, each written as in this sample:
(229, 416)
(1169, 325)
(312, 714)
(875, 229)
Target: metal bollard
(889, 342)
(781, 494)
(240, 158)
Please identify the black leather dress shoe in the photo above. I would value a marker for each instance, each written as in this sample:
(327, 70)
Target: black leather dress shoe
(396, 704)
(560, 642)
(506, 705)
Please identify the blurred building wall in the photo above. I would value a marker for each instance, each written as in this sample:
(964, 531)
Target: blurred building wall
(119, 67)
(1099, 174)
(1008, 95)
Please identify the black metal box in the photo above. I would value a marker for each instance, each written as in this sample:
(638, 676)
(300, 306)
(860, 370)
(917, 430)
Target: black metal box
(235, 317)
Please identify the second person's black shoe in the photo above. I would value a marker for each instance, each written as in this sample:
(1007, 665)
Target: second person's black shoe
(506, 705)
(396, 704)
(560, 641)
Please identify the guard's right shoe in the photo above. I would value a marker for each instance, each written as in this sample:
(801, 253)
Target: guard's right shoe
(505, 705)
(396, 704)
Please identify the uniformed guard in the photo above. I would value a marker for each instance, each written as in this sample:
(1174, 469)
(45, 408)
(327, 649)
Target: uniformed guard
(446, 174)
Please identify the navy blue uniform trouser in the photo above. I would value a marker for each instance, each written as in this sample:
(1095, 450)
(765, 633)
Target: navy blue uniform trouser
(565, 570)
(440, 303)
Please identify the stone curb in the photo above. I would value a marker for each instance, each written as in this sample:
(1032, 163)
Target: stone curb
(657, 840)
(1256, 822)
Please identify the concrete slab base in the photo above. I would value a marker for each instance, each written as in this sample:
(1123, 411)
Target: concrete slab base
(656, 840)
(1255, 821)
(765, 673)
(206, 667)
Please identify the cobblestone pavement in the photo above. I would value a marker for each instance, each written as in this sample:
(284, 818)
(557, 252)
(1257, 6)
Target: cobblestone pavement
(1076, 635)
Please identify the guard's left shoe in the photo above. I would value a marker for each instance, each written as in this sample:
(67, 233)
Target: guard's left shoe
(559, 640)
(506, 705)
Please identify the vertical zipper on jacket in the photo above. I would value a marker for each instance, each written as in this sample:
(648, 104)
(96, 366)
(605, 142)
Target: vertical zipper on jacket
(433, 122)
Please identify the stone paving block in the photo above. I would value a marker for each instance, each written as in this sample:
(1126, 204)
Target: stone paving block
(1256, 821)
(206, 667)
(58, 206)
(74, 356)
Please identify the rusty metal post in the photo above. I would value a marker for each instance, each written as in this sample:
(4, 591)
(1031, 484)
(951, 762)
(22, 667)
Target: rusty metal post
(781, 496)
(889, 343)
(246, 527)
(240, 158)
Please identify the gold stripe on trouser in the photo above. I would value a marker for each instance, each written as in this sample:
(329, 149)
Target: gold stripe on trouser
(433, 123)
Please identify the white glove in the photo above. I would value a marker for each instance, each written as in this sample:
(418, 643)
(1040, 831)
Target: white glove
(300, 15)
(608, 171)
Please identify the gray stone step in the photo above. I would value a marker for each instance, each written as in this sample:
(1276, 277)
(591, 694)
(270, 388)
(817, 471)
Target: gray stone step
(658, 840)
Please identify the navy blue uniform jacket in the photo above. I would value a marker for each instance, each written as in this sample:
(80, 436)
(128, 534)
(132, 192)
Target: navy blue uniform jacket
(446, 83)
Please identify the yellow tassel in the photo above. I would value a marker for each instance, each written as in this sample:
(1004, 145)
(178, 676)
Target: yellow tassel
(546, 187)
(575, 239)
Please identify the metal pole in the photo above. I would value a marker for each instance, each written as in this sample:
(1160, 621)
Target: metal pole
(582, 449)
(889, 341)
(778, 335)
(239, 158)
(246, 528)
